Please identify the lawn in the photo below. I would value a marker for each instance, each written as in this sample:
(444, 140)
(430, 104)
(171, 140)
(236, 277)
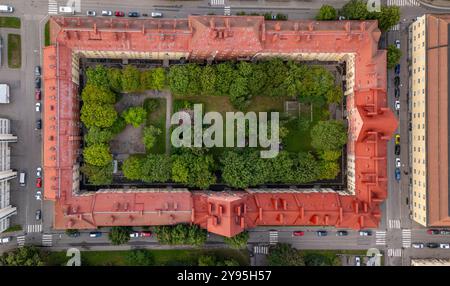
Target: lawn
(157, 118)
(14, 51)
(10, 22)
(47, 33)
(172, 257)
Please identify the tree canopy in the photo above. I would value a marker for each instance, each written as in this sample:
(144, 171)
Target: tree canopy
(181, 234)
(150, 135)
(135, 115)
(284, 255)
(326, 12)
(194, 170)
(97, 155)
(328, 135)
(393, 56)
(24, 256)
(98, 175)
(131, 79)
(119, 235)
(238, 241)
(98, 115)
(97, 94)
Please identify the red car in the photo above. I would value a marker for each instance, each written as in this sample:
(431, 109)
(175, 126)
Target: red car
(119, 14)
(37, 94)
(145, 234)
(38, 183)
(298, 233)
(433, 231)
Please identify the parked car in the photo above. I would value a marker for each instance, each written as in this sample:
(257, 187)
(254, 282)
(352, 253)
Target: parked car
(37, 94)
(365, 233)
(38, 192)
(106, 13)
(444, 232)
(95, 234)
(357, 261)
(397, 105)
(133, 14)
(119, 14)
(321, 233)
(146, 233)
(134, 234)
(91, 13)
(397, 44)
(432, 245)
(38, 124)
(37, 82)
(397, 174)
(73, 234)
(397, 139)
(397, 150)
(397, 69)
(418, 245)
(397, 92)
(37, 71)
(398, 164)
(298, 233)
(156, 15)
(433, 231)
(5, 240)
(38, 172)
(38, 107)
(397, 81)
(342, 233)
(38, 182)
(38, 197)
(341, 18)
(38, 215)
(444, 245)
(144, 15)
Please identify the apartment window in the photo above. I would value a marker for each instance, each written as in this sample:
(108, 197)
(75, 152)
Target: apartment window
(423, 138)
(423, 44)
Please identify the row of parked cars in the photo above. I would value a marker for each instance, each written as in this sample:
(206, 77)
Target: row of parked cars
(431, 245)
(93, 13)
(134, 234)
(338, 233)
(37, 94)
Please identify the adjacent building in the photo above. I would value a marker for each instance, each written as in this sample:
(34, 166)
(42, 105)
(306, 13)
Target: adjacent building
(6, 174)
(429, 113)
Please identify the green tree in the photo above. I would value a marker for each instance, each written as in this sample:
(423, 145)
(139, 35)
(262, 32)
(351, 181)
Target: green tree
(135, 116)
(119, 235)
(118, 125)
(388, 17)
(97, 76)
(393, 56)
(239, 93)
(319, 259)
(97, 94)
(24, 256)
(284, 255)
(150, 135)
(181, 234)
(98, 175)
(156, 168)
(179, 78)
(159, 78)
(193, 170)
(151, 104)
(225, 73)
(131, 79)
(329, 170)
(305, 169)
(132, 167)
(277, 71)
(330, 155)
(140, 257)
(244, 169)
(328, 135)
(115, 79)
(257, 80)
(147, 80)
(334, 95)
(237, 241)
(97, 155)
(326, 13)
(355, 10)
(208, 80)
(97, 135)
(98, 115)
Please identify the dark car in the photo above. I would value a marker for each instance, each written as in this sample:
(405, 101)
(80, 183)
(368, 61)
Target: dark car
(432, 245)
(38, 215)
(434, 231)
(133, 14)
(73, 234)
(321, 233)
(397, 174)
(38, 124)
(397, 69)
(444, 232)
(397, 150)
(37, 94)
(37, 82)
(342, 233)
(397, 81)
(397, 92)
(95, 234)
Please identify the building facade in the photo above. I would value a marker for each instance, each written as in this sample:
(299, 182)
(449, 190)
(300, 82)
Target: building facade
(6, 174)
(429, 108)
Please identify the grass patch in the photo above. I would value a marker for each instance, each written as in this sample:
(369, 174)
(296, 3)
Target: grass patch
(157, 118)
(10, 22)
(47, 34)
(171, 257)
(16, 227)
(14, 51)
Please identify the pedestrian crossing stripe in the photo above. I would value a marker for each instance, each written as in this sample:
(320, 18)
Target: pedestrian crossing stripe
(52, 7)
(395, 28)
(406, 238)
(21, 241)
(34, 228)
(394, 223)
(380, 237)
(261, 249)
(47, 240)
(402, 3)
(273, 237)
(394, 252)
(217, 2)
(227, 10)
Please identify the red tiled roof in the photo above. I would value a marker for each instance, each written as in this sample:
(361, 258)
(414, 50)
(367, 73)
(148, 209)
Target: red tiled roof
(371, 123)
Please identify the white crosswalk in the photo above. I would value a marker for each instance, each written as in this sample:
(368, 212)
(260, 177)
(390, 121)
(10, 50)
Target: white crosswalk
(406, 238)
(217, 2)
(380, 237)
(227, 10)
(34, 228)
(273, 237)
(47, 240)
(52, 7)
(258, 249)
(394, 223)
(21, 241)
(394, 252)
(395, 28)
(402, 3)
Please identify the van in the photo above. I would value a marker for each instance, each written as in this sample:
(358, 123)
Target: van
(6, 9)
(66, 9)
(22, 181)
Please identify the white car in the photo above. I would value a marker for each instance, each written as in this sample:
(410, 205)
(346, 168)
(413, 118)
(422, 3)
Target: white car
(156, 15)
(38, 197)
(5, 240)
(38, 172)
(106, 13)
(444, 245)
(418, 245)
(398, 164)
(397, 105)
(397, 44)
(134, 234)
(38, 107)
(357, 261)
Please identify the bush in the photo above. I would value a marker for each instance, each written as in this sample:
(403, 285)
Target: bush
(97, 136)
(181, 234)
(114, 76)
(326, 13)
(97, 76)
(193, 170)
(97, 94)
(131, 79)
(24, 256)
(237, 241)
(159, 78)
(284, 255)
(328, 135)
(119, 235)
(150, 135)
(98, 115)
(97, 155)
(118, 125)
(135, 116)
(151, 104)
(98, 175)
(132, 168)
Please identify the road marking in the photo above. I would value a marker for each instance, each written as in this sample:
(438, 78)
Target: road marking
(273, 237)
(406, 238)
(21, 241)
(402, 3)
(34, 228)
(217, 2)
(47, 240)
(380, 237)
(52, 7)
(394, 223)
(394, 252)
(257, 249)
(395, 27)
(227, 10)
